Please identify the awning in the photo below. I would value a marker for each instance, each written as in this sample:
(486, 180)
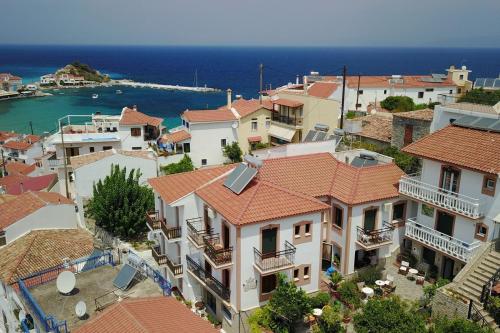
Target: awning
(255, 138)
(281, 133)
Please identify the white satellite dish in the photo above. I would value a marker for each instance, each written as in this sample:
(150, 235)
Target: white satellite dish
(80, 309)
(65, 282)
(234, 125)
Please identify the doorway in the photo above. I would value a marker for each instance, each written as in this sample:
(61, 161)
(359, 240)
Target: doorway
(449, 179)
(326, 256)
(269, 241)
(370, 219)
(444, 223)
(225, 236)
(447, 271)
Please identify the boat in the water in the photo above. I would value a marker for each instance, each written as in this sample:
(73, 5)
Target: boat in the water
(119, 92)
(94, 96)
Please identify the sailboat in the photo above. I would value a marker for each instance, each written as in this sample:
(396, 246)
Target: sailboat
(95, 96)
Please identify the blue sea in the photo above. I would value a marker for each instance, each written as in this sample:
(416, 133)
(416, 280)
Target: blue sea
(219, 67)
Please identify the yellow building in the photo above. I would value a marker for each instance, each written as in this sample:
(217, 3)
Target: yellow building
(460, 76)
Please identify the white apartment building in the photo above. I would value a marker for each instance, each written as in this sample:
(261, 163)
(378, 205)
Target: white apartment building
(48, 79)
(22, 148)
(209, 222)
(446, 114)
(456, 194)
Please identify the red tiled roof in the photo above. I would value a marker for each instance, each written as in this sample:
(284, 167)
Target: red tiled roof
(17, 145)
(377, 127)
(42, 249)
(468, 148)
(18, 183)
(257, 138)
(208, 116)
(322, 89)
(425, 114)
(4, 135)
(18, 167)
(288, 102)
(134, 117)
(147, 315)
(260, 201)
(86, 159)
(27, 203)
(176, 136)
(246, 107)
(174, 187)
(409, 81)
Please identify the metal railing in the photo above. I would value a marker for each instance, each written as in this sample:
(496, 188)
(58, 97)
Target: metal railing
(171, 232)
(161, 259)
(176, 269)
(211, 282)
(275, 260)
(474, 315)
(153, 220)
(375, 237)
(295, 121)
(440, 241)
(486, 297)
(56, 162)
(196, 230)
(215, 250)
(455, 202)
(142, 266)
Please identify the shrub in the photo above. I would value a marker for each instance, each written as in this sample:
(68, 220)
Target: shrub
(349, 293)
(457, 325)
(330, 320)
(233, 152)
(430, 290)
(406, 162)
(184, 165)
(319, 300)
(398, 103)
(259, 319)
(350, 115)
(336, 277)
(369, 275)
(480, 96)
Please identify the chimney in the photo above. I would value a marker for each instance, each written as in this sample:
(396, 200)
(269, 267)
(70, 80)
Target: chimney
(305, 84)
(229, 98)
(297, 80)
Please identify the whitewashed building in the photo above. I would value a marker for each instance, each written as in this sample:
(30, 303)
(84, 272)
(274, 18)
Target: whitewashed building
(446, 114)
(23, 148)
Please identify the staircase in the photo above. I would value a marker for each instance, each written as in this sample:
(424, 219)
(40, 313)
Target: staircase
(471, 285)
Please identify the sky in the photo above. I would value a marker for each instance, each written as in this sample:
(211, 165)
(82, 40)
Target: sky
(407, 23)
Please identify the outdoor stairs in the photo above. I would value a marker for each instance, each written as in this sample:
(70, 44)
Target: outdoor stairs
(472, 284)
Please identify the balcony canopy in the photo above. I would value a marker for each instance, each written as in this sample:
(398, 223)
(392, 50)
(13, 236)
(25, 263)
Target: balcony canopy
(281, 133)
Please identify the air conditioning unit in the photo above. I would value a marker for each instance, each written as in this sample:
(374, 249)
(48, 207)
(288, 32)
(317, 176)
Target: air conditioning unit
(211, 213)
(387, 207)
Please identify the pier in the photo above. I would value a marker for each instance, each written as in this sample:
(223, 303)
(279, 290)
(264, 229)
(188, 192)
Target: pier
(134, 84)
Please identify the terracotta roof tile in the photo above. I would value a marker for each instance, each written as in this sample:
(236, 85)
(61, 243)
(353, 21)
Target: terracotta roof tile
(4, 135)
(82, 160)
(409, 81)
(246, 107)
(134, 117)
(17, 145)
(26, 204)
(42, 249)
(464, 147)
(147, 315)
(376, 127)
(322, 89)
(425, 114)
(288, 102)
(18, 167)
(17, 183)
(207, 116)
(173, 187)
(175, 137)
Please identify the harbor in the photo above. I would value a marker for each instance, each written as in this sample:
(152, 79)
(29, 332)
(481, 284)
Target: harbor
(130, 83)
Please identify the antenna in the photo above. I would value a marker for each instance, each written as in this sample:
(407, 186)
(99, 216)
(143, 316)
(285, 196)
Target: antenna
(81, 309)
(65, 282)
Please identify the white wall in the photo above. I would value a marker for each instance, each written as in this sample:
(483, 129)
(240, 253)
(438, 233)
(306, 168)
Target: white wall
(129, 141)
(295, 149)
(206, 141)
(9, 301)
(444, 114)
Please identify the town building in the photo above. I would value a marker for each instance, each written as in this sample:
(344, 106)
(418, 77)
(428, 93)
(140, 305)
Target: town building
(408, 127)
(48, 79)
(448, 113)
(22, 148)
(456, 194)
(17, 183)
(70, 79)
(299, 214)
(10, 83)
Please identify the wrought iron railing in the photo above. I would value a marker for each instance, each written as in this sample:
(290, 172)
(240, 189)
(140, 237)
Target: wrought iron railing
(141, 265)
(215, 250)
(275, 260)
(295, 121)
(161, 259)
(211, 282)
(486, 297)
(196, 230)
(475, 315)
(375, 237)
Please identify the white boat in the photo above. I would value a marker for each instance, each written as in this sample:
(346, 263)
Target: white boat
(94, 96)
(119, 92)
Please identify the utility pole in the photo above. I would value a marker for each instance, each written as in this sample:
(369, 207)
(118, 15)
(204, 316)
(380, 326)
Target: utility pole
(31, 126)
(3, 163)
(357, 93)
(261, 72)
(64, 160)
(344, 74)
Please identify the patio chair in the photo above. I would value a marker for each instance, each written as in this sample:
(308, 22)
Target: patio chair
(403, 269)
(390, 278)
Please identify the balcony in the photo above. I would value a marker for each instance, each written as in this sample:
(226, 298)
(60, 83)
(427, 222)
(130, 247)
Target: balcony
(293, 121)
(55, 162)
(196, 231)
(373, 239)
(275, 261)
(442, 242)
(153, 220)
(215, 251)
(161, 259)
(208, 280)
(172, 233)
(451, 201)
(174, 268)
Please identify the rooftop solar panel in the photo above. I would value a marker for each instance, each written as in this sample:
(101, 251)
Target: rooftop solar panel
(231, 178)
(487, 124)
(497, 83)
(359, 162)
(239, 185)
(124, 277)
(488, 83)
(320, 136)
(479, 82)
(310, 136)
(496, 126)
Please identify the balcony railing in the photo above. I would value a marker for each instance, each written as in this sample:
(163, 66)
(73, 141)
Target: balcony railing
(55, 163)
(458, 203)
(171, 232)
(176, 269)
(273, 261)
(440, 241)
(373, 238)
(295, 121)
(215, 285)
(196, 231)
(215, 250)
(161, 259)
(153, 220)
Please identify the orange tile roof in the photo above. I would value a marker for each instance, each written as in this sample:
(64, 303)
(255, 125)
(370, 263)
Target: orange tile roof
(18, 167)
(17, 183)
(17, 145)
(246, 107)
(174, 187)
(256, 138)
(260, 201)
(42, 249)
(376, 127)
(207, 116)
(4, 135)
(322, 89)
(409, 81)
(288, 102)
(468, 148)
(134, 117)
(147, 315)
(81, 160)
(26, 204)
(176, 136)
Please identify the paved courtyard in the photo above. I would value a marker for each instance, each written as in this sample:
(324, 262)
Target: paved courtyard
(405, 288)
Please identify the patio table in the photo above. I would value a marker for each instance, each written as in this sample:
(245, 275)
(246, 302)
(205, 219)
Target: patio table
(317, 312)
(413, 271)
(367, 291)
(380, 283)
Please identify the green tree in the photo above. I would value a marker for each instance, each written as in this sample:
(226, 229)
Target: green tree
(389, 315)
(233, 152)
(331, 319)
(184, 165)
(406, 162)
(430, 290)
(480, 96)
(119, 203)
(398, 103)
(457, 325)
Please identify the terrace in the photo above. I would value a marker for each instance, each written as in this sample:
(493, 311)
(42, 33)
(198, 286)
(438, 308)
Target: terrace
(197, 231)
(371, 239)
(207, 280)
(275, 261)
(215, 251)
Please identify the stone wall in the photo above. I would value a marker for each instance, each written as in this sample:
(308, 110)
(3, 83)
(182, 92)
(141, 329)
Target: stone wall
(449, 305)
(420, 129)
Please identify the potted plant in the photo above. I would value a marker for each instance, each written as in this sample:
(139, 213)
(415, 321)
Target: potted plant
(188, 303)
(336, 261)
(347, 317)
(336, 278)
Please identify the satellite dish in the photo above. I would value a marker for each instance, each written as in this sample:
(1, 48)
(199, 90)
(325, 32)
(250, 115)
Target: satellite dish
(22, 315)
(80, 309)
(234, 125)
(65, 282)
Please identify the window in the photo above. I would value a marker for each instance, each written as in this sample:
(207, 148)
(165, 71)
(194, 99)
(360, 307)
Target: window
(398, 211)
(301, 275)
(226, 278)
(358, 105)
(302, 232)
(227, 313)
(427, 210)
(268, 284)
(385, 92)
(459, 90)
(297, 230)
(420, 94)
(268, 122)
(481, 231)
(204, 161)
(91, 149)
(308, 228)
(187, 147)
(135, 131)
(296, 274)
(450, 179)
(306, 272)
(429, 89)
(370, 219)
(107, 148)
(211, 302)
(337, 216)
(223, 142)
(489, 184)
(451, 91)
(3, 239)
(361, 92)
(136, 148)
(461, 77)
(452, 120)
(254, 125)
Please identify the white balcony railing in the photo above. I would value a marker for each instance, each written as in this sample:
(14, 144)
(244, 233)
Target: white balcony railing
(439, 241)
(55, 163)
(455, 202)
